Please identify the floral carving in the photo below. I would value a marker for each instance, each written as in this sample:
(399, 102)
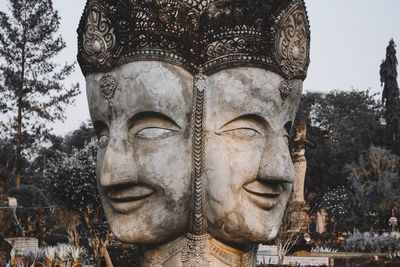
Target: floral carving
(196, 251)
(99, 38)
(108, 85)
(193, 34)
(285, 88)
(292, 41)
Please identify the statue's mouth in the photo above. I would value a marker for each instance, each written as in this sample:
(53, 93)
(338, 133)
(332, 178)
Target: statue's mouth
(266, 193)
(129, 197)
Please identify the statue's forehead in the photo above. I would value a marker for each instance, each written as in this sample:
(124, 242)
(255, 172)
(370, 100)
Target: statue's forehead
(168, 89)
(247, 90)
(141, 87)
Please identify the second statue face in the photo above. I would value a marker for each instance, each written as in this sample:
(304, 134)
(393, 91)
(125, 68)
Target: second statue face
(145, 151)
(249, 172)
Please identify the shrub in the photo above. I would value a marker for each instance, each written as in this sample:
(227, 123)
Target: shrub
(372, 243)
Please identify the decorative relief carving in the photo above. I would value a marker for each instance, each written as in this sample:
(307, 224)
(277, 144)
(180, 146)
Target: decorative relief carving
(211, 34)
(195, 254)
(157, 257)
(108, 85)
(198, 222)
(198, 251)
(99, 38)
(292, 40)
(285, 88)
(232, 257)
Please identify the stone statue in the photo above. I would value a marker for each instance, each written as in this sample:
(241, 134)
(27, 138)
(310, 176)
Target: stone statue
(191, 101)
(299, 159)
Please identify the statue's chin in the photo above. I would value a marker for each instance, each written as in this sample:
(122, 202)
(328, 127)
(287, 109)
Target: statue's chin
(241, 240)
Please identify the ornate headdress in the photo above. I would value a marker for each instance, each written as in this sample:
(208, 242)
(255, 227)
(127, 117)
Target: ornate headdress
(196, 34)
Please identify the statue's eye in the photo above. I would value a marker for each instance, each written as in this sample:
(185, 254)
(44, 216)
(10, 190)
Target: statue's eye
(154, 133)
(103, 140)
(246, 127)
(152, 126)
(242, 133)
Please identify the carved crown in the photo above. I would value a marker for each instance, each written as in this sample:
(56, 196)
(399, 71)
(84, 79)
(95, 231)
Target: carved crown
(196, 34)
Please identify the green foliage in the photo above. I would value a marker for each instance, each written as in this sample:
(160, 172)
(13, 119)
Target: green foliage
(372, 243)
(7, 159)
(352, 122)
(343, 125)
(71, 179)
(29, 196)
(31, 90)
(79, 137)
(336, 201)
(375, 184)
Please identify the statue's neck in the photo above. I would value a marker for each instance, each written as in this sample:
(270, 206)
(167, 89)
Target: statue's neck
(199, 251)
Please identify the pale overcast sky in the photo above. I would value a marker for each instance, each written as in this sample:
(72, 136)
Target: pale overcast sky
(348, 43)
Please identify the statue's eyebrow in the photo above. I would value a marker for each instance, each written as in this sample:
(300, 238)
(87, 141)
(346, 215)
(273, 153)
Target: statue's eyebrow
(146, 115)
(259, 120)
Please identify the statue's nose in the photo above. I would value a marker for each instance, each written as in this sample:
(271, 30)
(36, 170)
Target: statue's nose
(276, 163)
(118, 166)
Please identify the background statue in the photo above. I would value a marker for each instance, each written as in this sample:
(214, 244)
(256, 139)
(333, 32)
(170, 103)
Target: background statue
(299, 159)
(191, 102)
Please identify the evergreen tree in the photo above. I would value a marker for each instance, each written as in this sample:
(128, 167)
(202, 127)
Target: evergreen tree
(31, 86)
(390, 94)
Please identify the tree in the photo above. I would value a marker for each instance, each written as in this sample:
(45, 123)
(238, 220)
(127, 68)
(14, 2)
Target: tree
(337, 202)
(6, 161)
(294, 224)
(390, 94)
(71, 183)
(31, 89)
(79, 138)
(57, 147)
(352, 120)
(71, 179)
(374, 182)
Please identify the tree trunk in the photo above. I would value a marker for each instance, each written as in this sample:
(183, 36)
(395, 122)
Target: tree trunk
(18, 141)
(18, 146)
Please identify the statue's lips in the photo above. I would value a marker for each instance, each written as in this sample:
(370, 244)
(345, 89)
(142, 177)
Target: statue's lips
(129, 197)
(265, 194)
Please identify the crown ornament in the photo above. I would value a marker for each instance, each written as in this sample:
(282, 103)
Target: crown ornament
(210, 35)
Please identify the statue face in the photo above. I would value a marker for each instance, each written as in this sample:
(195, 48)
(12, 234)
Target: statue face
(249, 172)
(144, 160)
(143, 166)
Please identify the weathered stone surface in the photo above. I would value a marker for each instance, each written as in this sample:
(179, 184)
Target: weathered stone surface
(299, 159)
(145, 158)
(249, 168)
(144, 150)
(193, 162)
(175, 254)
